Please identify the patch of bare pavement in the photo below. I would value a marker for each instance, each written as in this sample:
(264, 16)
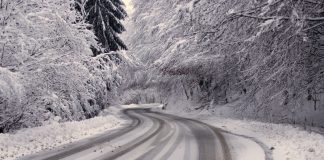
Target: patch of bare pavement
(150, 136)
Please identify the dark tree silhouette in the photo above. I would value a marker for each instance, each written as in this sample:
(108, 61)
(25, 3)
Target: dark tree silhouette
(105, 16)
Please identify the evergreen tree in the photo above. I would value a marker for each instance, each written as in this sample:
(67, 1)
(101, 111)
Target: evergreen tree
(105, 16)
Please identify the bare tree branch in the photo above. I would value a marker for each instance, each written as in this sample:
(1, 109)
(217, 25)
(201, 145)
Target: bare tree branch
(314, 26)
(314, 2)
(279, 17)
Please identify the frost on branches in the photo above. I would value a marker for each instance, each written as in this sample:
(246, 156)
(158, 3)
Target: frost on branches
(46, 69)
(264, 56)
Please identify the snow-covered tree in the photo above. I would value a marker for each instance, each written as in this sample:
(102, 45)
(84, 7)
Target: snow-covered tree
(266, 54)
(46, 69)
(105, 17)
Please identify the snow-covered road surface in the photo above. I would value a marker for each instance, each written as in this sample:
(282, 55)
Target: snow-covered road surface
(150, 136)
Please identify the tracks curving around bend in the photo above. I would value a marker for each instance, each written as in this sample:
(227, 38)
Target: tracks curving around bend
(150, 136)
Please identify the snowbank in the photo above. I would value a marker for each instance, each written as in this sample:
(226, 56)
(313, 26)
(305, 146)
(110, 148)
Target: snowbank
(33, 140)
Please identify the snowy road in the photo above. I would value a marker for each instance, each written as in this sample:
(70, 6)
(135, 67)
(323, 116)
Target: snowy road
(150, 136)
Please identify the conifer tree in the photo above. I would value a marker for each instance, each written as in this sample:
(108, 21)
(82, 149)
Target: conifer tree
(105, 16)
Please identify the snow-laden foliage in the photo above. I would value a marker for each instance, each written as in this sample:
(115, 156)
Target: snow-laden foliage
(267, 55)
(11, 97)
(47, 72)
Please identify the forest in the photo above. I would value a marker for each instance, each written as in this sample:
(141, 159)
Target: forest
(245, 59)
(162, 79)
(67, 60)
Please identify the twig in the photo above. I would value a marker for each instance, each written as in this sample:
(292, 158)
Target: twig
(312, 27)
(279, 17)
(314, 2)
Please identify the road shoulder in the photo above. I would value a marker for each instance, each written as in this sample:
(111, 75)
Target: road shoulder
(279, 141)
(57, 136)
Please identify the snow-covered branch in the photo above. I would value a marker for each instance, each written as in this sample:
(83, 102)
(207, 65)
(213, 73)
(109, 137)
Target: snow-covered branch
(278, 17)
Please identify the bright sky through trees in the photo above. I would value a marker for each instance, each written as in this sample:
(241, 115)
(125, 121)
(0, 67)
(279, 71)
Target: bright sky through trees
(129, 6)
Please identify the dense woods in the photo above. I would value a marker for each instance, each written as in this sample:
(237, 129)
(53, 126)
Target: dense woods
(262, 59)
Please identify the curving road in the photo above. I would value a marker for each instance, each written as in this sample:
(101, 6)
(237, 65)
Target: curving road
(150, 136)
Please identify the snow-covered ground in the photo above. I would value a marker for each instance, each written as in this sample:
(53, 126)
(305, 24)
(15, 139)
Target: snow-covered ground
(245, 138)
(283, 141)
(33, 140)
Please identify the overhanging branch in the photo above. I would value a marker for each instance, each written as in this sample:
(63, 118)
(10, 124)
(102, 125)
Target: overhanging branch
(278, 17)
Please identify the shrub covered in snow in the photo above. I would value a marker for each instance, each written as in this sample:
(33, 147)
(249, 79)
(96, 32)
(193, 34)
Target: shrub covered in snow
(47, 72)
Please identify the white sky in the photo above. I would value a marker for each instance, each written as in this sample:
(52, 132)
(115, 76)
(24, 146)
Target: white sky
(129, 6)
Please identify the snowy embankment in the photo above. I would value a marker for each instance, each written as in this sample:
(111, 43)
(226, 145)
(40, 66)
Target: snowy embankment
(285, 142)
(33, 140)
(279, 141)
